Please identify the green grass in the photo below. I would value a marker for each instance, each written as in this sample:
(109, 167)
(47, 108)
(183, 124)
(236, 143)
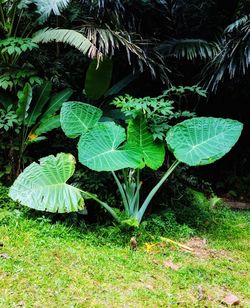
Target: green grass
(54, 264)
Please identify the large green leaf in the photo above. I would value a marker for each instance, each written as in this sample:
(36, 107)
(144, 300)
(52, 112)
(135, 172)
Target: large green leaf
(98, 78)
(77, 118)
(43, 186)
(49, 119)
(153, 153)
(40, 98)
(100, 150)
(201, 141)
(47, 125)
(56, 102)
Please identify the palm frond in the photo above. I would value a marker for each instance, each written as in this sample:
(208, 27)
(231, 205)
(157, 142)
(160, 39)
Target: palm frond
(234, 59)
(108, 41)
(67, 36)
(238, 24)
(46, 7)
(189, 49)
(101, 5)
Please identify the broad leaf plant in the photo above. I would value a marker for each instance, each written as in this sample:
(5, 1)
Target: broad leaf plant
(107, 146)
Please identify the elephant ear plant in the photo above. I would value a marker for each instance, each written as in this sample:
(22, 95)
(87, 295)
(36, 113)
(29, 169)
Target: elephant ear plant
(105, 146)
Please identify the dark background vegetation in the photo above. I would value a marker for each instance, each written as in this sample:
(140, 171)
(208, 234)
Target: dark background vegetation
(181, 43)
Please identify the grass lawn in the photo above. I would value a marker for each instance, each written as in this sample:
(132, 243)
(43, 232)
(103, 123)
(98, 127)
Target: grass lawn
(45, 264)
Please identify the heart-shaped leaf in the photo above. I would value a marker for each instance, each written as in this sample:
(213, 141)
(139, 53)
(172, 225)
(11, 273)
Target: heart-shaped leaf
(153, 153)
(100, 150)
(77, 118)
(201, 141)
(43, 186)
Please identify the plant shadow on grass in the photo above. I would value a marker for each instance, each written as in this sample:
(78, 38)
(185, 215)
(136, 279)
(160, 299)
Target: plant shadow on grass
(194, 215)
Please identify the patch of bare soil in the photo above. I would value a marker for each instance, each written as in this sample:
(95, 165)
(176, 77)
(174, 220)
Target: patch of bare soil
(200, 248)
(238, 205)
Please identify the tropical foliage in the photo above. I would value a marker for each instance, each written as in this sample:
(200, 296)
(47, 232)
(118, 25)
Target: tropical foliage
(103, 146)
(150, 73)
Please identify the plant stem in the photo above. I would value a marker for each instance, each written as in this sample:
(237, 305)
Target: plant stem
(134, 205)
(122, 192)
(105, 205)
(155, 189)
(138, 184)
(2, 15)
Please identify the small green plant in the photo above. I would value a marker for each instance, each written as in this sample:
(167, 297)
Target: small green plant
(8, 119)
(13, 70)
(35, 113)
(105, 146)
(160, 112)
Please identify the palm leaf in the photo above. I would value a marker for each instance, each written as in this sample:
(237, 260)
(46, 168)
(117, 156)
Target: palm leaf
(46, 7)
(190, 49)
(238, 24)
(108, 40)
(67, 36)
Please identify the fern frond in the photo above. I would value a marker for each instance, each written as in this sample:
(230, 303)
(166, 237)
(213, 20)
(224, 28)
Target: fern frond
(67, 36)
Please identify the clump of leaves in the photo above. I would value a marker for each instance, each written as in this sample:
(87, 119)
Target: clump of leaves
(16, 45)
(160, 112)
(8, 119)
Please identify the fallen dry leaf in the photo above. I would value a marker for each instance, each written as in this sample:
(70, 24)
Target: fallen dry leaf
(20, 304)
(201, 293)
(231, 299)
(170, 264)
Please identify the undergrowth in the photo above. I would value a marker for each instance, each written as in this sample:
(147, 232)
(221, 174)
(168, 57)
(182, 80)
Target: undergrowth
(193, 216)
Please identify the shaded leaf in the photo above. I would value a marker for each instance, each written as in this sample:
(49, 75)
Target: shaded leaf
(98, 78)
(47, 125)
(121, 84)
(24, 101)
(40, 98)
(56, 102)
